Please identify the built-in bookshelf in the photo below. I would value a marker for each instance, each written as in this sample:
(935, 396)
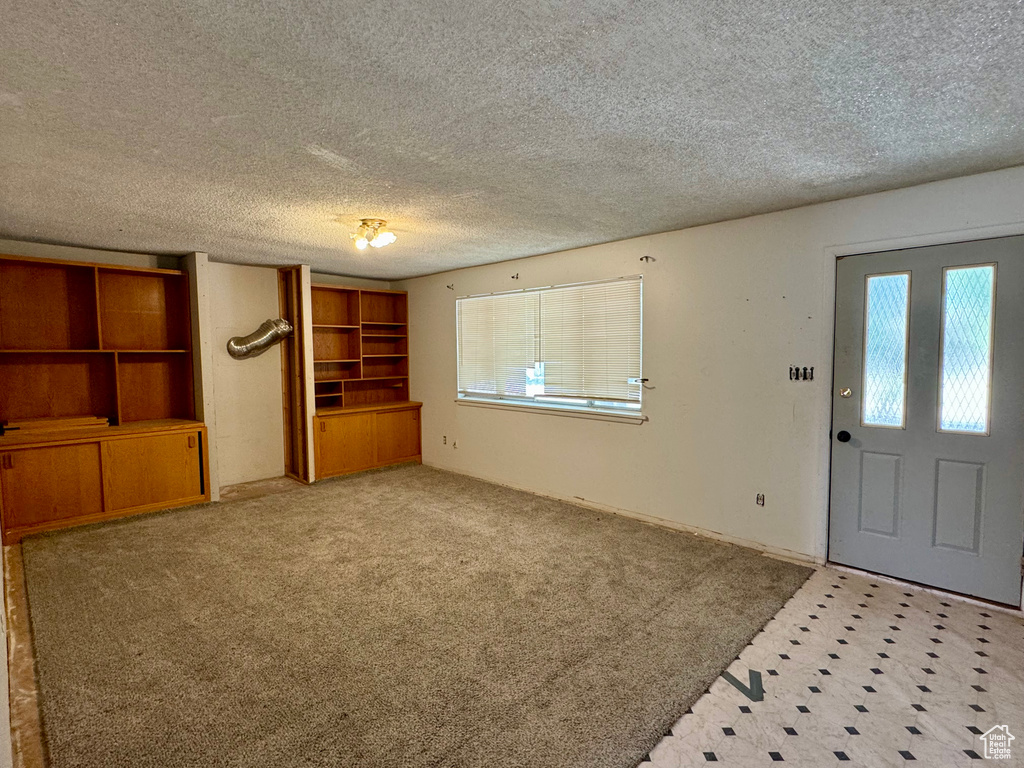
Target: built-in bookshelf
(93, 340)
(360, 347)
(96, 394)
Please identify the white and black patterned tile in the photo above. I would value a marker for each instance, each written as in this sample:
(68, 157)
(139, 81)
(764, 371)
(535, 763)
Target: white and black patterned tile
(861, 672)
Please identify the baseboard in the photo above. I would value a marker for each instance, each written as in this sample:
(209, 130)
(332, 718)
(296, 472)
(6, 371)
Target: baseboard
(766, 549)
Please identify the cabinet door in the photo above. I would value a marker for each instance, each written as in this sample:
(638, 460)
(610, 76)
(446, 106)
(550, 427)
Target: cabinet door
(398, 435)
(344, 444)
(152, 470)
(44, 484)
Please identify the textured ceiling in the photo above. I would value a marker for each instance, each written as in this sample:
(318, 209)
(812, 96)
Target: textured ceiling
(481, 130)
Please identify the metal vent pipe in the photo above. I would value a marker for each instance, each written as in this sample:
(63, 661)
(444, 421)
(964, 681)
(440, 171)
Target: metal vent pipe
(260, 340)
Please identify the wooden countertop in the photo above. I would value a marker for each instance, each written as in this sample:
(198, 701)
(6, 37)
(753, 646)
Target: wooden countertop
(20, 439)
(364, 408)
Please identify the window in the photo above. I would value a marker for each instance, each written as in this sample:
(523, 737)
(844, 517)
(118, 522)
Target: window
(572, 347)
(968, 308)
(886, 316)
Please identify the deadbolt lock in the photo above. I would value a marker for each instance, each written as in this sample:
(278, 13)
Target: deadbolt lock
(845, 392)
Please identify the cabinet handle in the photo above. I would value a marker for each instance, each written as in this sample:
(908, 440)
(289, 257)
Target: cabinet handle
(191, 441)
(323, 426)
(8, 462)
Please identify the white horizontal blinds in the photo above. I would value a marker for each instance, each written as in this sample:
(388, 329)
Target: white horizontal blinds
(497, 343)
(590, 340)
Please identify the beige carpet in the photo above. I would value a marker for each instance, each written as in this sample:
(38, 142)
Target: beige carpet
(407, 617)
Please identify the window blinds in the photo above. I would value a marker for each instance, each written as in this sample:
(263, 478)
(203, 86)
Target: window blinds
(579, 342)
(497, 343)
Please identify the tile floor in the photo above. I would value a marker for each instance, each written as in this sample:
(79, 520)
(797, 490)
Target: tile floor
(867, 673)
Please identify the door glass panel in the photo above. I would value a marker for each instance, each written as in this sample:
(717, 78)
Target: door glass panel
(967, 312)
(883, 402)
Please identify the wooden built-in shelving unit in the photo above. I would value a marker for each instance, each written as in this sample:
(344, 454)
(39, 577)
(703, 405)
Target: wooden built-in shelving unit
(360, 347)
(94, 340)
(96, 394)
(364, 417)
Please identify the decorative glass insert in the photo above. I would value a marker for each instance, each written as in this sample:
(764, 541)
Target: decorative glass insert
(967, 312)
(883, 402)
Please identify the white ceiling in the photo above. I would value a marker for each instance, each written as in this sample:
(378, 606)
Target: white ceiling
(481, 130)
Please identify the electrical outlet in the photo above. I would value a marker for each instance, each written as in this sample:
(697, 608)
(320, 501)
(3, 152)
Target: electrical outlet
(760, 499)
(444, 439)
(455, 444)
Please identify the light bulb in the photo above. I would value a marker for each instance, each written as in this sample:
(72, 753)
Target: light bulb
(384, 238)
(361, 243)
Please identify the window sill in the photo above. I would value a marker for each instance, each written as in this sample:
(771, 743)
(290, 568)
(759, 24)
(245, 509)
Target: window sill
(555, 410)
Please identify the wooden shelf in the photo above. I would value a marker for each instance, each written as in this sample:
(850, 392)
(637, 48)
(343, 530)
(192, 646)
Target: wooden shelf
(79, 339)
(335, 307)
(47, 385)
(91, 351)
(50, 351)
(379, 407)
(23, 439)
(339, 288)
(142, 310)
(360, 346)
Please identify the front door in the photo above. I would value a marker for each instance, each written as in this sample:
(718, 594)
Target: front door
(928, 416)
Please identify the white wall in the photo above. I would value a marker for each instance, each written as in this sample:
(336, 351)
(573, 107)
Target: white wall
(727, 309)
(322, 278)
(246, 393)
(93, 255)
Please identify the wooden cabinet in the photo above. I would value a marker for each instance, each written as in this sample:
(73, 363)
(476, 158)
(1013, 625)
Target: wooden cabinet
(364, 417)
(344, 444)
(152, 470)
(358, 438)
(47, 484)
(398, 435)
(101, 474)
(97, 404)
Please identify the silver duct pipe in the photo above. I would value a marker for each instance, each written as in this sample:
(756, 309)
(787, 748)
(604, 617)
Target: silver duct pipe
(260, 340)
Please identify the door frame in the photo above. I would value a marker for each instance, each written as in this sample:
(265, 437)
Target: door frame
(833, 253)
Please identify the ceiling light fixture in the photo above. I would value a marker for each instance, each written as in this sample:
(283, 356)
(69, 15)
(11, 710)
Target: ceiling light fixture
(372, 232)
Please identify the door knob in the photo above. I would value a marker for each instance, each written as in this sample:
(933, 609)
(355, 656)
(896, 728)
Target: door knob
(843, 436)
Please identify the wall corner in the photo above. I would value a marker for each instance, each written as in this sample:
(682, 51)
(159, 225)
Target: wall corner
(198, 267)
